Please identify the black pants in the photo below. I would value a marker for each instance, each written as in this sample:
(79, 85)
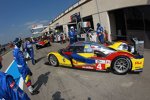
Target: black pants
(0, 65)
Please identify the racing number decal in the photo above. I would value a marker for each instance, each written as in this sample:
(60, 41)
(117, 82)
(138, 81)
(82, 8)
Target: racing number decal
(99, 67)
(101, 64)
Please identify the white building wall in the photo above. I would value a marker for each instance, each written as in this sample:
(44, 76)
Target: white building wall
(88, 9)
(65, 28)
(96, 19)
(106, 5)
(99, 11)
(105, 22)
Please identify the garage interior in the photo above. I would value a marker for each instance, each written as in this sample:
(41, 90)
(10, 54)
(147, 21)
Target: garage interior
(131, 22)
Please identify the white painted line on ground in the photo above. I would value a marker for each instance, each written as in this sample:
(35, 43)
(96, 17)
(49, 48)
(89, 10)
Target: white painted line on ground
(21, 83)
(9, 66)
(21, 79)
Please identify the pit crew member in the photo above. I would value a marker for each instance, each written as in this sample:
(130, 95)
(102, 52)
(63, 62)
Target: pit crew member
(22, 66)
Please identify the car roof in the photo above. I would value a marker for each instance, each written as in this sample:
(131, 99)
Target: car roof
(83, 43)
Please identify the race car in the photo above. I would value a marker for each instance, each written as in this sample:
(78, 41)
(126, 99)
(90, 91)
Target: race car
(94, 56)
(42, 43)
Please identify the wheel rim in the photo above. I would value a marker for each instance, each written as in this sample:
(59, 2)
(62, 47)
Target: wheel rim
(53, 60)
(122, 65)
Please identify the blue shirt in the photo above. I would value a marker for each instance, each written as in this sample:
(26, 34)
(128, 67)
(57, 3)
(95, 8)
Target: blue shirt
(72, 34)
(9, 90)
(21, 62)
(99, 30)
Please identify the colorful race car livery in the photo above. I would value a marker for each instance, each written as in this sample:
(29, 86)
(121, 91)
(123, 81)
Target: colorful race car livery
(121, 45)
(42, 43)
(91, 55)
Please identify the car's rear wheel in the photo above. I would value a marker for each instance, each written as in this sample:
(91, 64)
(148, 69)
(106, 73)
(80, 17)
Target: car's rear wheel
(121, 65)
(53, 60)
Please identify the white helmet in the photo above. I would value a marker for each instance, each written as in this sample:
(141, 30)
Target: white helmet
(71, 27)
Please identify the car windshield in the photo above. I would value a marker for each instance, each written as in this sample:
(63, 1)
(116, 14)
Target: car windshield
(105, 50)
(89, 48)
(76, 49)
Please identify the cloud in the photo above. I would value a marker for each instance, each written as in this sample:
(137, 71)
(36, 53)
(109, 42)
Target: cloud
(30, 23)
(44, 21)
(36, 22)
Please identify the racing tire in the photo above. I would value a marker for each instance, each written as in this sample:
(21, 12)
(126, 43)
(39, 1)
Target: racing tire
(121, 65)
(53, 60)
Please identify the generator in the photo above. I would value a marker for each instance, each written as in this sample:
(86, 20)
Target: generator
(138, 46)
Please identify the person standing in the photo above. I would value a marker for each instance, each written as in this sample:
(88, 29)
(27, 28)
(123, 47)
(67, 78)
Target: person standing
(75, 35)
(99, 32)
(22, 66)
(61, 38)
(1, 61)
(53, 38)
(9, 90)
(72, 35)
(29, 49)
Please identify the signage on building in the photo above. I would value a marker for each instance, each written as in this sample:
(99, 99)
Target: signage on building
(37, 29)
(37, 26)
(75, 17)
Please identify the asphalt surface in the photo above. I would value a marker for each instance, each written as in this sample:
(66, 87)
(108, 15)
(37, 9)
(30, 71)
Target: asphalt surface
(60, 83)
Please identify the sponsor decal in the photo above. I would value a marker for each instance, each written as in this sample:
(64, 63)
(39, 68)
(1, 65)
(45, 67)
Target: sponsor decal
(12, 84)
(138, 63)
(101, 61)
(108, 62)
(88, 67)
(92, 46)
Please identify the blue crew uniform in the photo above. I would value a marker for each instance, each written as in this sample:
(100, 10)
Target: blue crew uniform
(72, 36)
(9, 90)
(22, 66)
(21, 62)
(29, 49)
(100, 34)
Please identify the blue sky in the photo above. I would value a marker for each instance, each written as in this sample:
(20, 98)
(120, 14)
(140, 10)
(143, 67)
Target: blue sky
(16, 16)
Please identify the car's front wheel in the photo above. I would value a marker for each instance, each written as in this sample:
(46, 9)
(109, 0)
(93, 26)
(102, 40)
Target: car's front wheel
(53, 60)
(121, 65)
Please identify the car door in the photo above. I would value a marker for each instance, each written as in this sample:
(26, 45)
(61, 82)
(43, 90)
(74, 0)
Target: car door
(65, 58)
(84, 53)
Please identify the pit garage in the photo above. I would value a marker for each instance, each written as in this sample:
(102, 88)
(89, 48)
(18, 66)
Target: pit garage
(131, 22)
